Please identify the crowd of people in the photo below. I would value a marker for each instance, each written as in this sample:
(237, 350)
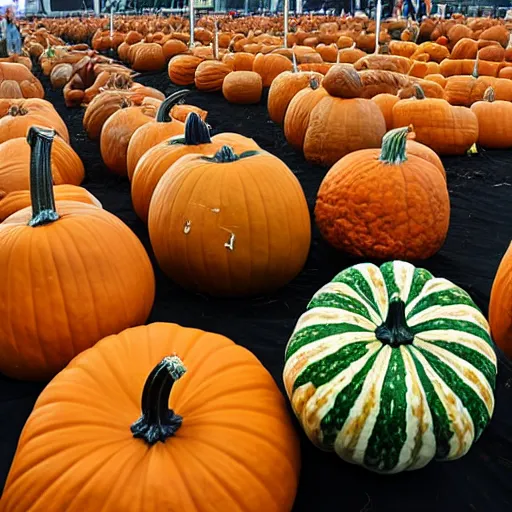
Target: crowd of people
(10, 38)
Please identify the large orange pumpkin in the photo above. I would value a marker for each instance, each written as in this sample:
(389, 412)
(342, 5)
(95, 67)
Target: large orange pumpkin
(199, 416)
(230, 224)
(270, 66)
(155, 162)
(71, 274)
(151, 134)
(500, 307)
(384, 203)
(15, 165)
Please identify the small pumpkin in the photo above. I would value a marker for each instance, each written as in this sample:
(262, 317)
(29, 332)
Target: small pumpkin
(152, 133)
(391, 368)
(251, 209)
(19, 199)
(210, 75)
(90, 290)
(270, 66)
(494, 121)
(446, 129)
(386, 102)
(173, 47)
(362, 220)
(242, 87)
(500, 306)
(241, 61)
(147, 57)
(150, 393)
(157, 160)
(182, 69)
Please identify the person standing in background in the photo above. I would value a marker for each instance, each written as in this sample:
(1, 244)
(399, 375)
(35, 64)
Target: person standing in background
(3, 36)
(13, 36)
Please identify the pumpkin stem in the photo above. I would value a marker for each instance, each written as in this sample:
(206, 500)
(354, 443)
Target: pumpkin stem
(394, 331)
(475, 68)
(15, 110)
(419, 93)
(157, 422)
(314, 83)
(41, 180)
(489, 95)
(226, 154)
(393, 150)
(196, 132)
(162, 115)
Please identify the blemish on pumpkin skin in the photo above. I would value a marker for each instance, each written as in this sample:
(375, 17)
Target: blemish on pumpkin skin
(215, 210)
(230, 244)
(187, 227)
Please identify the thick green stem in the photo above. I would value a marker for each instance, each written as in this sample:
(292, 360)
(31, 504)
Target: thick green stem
(163, 113)
(41, 180)
(196, 132)
(158, 422)
(395, 331)
(393, 150)
(226, 154)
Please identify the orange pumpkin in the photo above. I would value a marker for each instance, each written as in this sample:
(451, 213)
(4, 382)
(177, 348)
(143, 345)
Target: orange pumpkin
(182, 69)
(155, 162)
(80, 281)
(249, 207)
(15, 165)
(173, 47)
(494, 121)
(116, 134)
(386, 102)
(500, 306)
(19, 199)
(152, 133)
(270, 66)
(17, 116)
(239, 61)
(147, 57)
(299, 110)
(339, 126)
(384, 203)
(14, 74)
(210, 75)
(212, 435)
(446, 129)
(242, 87)
(284, 87)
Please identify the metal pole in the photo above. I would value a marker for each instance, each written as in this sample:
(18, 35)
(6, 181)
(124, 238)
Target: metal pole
(215, 40)
(378, 15)
(191, 14)
(111, 21)
(298, 7)
(97, 7)
(246, 7)
(286, 11)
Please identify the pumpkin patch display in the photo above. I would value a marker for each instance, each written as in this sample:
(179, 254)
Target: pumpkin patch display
(391, 368)
(61, 298)
(402, 210)
(217, 434)
(500, 306)
(248, 208)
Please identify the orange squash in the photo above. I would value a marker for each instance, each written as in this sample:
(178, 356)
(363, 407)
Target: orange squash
(88, 290)
(19, 199)
(270, 66)
(215, 434)
(152, 133)
(355, 214)
(386, 102)
(500, 306)
(182, 69)
(251, 210)
(239, 61)
(155, 162)
(210, 75)
(242, 87)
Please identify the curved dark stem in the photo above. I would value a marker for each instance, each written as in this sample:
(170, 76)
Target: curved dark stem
(162, 115)
(157, 422)
(41, 180)
(395, 331)
(226, 154)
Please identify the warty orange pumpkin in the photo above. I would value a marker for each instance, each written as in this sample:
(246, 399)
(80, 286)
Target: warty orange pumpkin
(230, 224)
(384, 203)
(208, 437)
(152, 133)
(19, 199)
(155, 162)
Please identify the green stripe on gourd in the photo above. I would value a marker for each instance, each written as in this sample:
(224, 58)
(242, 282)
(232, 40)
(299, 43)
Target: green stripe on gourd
(398, 382)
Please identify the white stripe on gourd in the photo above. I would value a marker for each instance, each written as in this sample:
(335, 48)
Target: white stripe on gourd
(373, 276)
(404, 275)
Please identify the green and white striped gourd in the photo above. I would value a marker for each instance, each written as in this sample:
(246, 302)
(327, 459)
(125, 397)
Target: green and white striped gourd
(391, 367)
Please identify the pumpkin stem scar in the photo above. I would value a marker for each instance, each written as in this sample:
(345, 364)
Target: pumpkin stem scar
(41, 179)
(393, 149)
(186, 227)
(158, 422)
(394, 331)
(230, 244)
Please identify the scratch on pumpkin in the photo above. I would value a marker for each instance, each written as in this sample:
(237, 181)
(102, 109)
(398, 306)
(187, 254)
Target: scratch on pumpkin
(230, 244)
